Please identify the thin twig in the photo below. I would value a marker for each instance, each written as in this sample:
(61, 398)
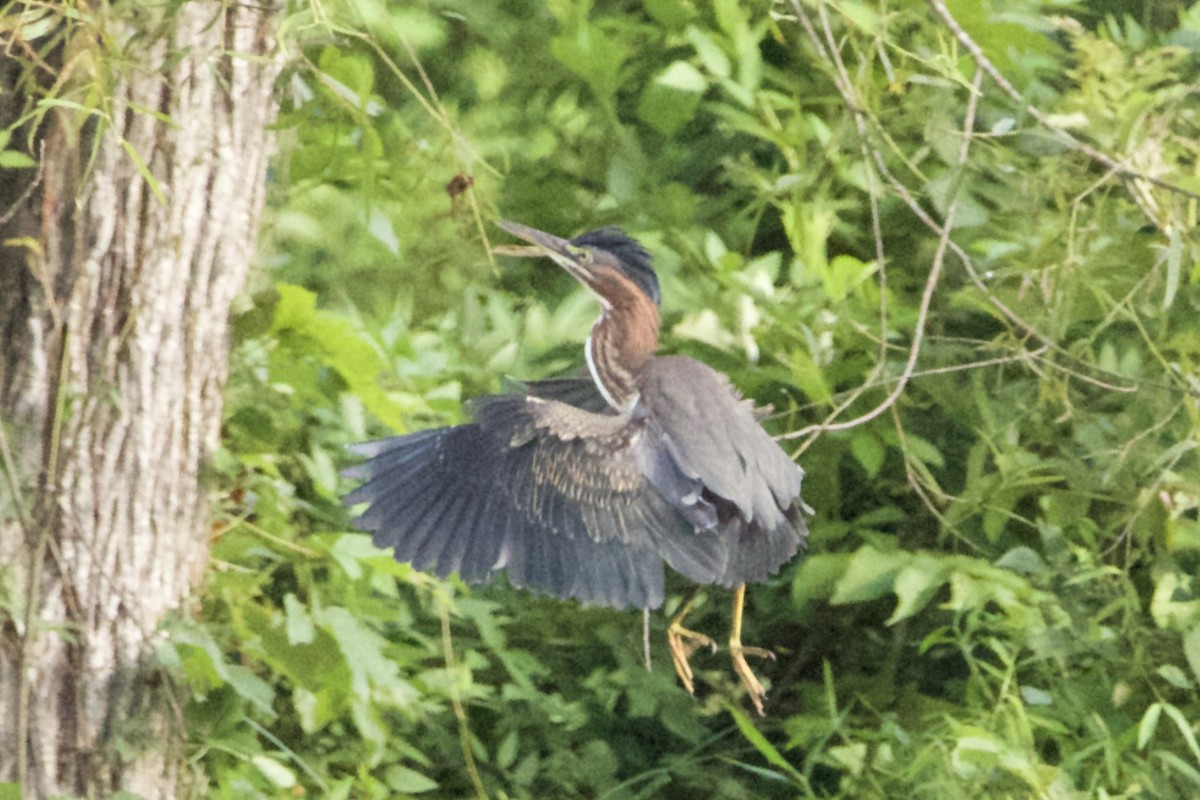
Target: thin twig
(943, 13)
(19, 203)
(460, 712)
(935, 271)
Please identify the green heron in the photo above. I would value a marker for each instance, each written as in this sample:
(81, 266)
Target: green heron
(584, 488)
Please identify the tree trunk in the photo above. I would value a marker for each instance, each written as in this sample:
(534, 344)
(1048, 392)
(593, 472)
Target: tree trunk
(116, 275)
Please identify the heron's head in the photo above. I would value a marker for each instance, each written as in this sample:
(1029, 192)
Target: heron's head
(606, 260)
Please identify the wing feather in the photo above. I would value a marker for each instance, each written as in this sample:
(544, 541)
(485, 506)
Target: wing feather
(734, 479)
(544, 493)
(590, 505)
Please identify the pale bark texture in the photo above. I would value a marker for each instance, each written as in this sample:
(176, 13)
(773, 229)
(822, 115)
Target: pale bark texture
(114, 323)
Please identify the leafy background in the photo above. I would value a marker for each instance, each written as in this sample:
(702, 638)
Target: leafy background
(998, 333)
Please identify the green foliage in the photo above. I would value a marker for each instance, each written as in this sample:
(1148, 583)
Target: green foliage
(1001, 596)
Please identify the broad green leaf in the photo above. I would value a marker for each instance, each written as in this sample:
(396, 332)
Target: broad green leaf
(1168, 611)
(868, 450)
(673, 14)
(409, 781)
(273, 771)
(1184, 726)
(594, 55)
(975, 750)
(853, 757)
(251, 687)
(869, 576)
(1174, 676)
(810, 377)
(843, 274)
(818, 576)
(861, 15)
(682, 76)
(203, 659)
(1036, 697)
(300, 628)
(711, 55)
(1191, 649)
(342, 348)
(506, 752)
(920, 449)
(14, 159)
(731, 17)
(1148, 725)
(915, 585)
(1179, 765)
(1024, 560)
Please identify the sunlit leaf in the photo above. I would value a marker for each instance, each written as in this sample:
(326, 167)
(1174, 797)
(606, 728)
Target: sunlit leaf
(1148, 725)
(869, 576)
(915, 585)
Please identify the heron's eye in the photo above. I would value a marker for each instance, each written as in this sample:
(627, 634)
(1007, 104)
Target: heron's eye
(585, 257)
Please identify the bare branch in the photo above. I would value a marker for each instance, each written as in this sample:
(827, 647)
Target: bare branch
(943, 13)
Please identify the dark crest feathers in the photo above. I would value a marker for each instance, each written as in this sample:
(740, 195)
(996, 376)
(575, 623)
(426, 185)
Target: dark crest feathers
(635, 260)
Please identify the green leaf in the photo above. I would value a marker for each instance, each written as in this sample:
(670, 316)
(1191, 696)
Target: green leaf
(1034, 696)
(409, 781)
(362, 648)
(868, 449)
(143, 170)
(862, 16)
(1024, 560)
(810, 377)
(300, 628)
(1191, 649)
(595, 55)
(711, 56)
(818, 576)
(683, 77)
(298, 320)
(1148, 725)
(915, 585)
(1174, 259)
(920, 449)
(14, 159)
(251, 687)
(843, 274)
(870, 575)
(1179, 765)
(672, 14)
(979, 749)
(853, 757)
(755, 737)
(203, 660)
(1174, 676)
(506, 752)
(273, 771)
(1184, 726)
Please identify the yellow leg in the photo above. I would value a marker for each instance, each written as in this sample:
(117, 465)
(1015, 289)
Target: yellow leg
(757, 693)
(684, 642)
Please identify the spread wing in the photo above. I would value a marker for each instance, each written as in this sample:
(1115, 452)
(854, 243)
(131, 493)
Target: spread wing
(584, 504)
(734, 474)
(553, 494)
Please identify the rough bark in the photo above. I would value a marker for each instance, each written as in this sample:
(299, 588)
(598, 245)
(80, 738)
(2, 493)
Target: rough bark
(112, 365)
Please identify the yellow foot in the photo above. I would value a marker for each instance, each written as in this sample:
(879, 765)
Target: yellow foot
(683, 643)
(755, 689)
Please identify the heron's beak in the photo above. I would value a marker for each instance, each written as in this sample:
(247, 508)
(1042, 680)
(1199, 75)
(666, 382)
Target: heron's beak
(561, 251)
(546, 243)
